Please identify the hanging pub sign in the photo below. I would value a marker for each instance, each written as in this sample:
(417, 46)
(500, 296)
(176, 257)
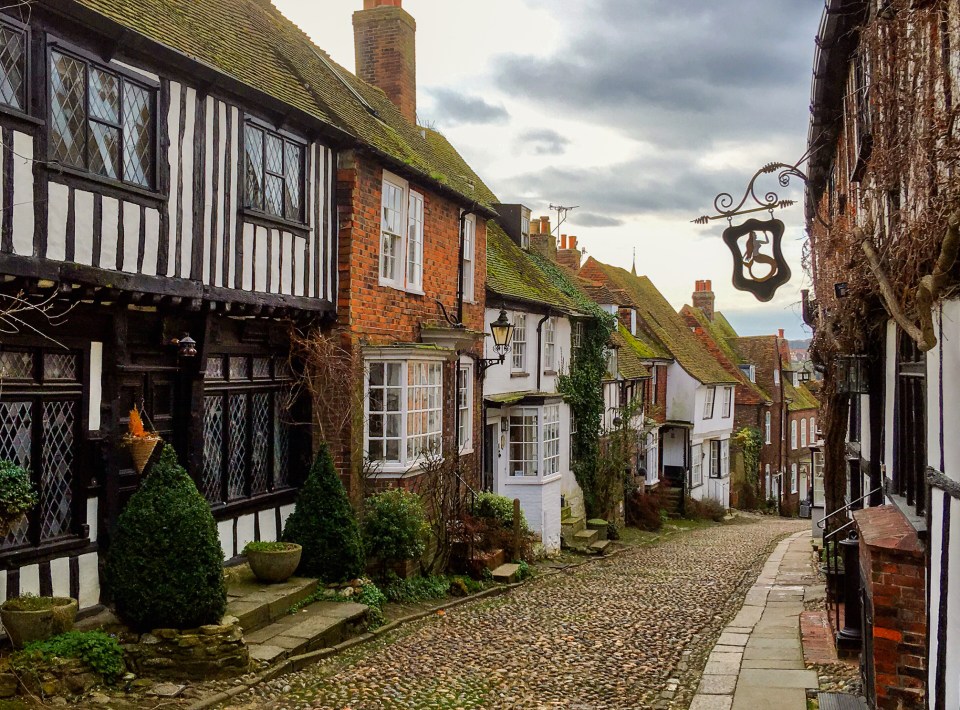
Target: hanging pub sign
(758, 263)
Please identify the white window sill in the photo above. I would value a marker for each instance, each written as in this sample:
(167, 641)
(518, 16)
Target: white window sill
(531, 480)
(468, 449)
(519, 373)
(396, 471)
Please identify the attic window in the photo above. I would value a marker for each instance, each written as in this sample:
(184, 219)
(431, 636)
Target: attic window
(750, 371)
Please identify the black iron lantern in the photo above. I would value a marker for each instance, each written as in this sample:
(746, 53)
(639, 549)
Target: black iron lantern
(187, 346)
(852, 376)
(502, 331)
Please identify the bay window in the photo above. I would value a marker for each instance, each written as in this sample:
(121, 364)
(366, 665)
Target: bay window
(534, 448)
(101, 120)
(404, 411)
(401, 235)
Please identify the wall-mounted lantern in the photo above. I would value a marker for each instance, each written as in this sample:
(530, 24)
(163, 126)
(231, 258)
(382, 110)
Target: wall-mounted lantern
(852, 375)
(186, 346)
(502, 331)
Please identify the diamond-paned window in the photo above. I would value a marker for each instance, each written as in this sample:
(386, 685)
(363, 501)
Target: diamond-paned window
(214, 368)
(39, 430)
(274, 174)
(13, 67)
(101, 120)
(246, 438)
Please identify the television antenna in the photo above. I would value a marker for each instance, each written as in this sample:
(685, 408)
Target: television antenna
(561, 215)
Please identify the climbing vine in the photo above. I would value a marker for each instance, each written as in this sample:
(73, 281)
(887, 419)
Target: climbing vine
(749, 441)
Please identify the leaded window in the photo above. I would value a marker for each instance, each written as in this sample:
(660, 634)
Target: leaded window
(101, 121)
(274, 167)
(39, 430)
(13, 66)
(246, 427)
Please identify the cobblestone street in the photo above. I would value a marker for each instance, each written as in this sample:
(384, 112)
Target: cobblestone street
(629, 631)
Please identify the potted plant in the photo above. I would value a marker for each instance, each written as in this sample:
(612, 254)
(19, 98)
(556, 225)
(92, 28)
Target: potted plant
(17, 495)
(273, 561)
(140, 441)
(28, 618)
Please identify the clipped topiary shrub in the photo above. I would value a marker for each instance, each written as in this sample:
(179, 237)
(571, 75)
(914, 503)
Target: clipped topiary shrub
(497, 508)
(323, 523)
(395, 526)
(165, 564)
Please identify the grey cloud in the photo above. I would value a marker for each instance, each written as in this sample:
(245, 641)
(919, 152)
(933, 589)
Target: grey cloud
(453, 108)
(543, 141)
(685, 70)
(592, 219)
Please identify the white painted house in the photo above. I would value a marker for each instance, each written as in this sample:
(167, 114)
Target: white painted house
(527, 425)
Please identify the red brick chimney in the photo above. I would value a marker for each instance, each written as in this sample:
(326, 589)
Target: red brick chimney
(703, 297)
(569, 255)
(780, 333)
(384, 37)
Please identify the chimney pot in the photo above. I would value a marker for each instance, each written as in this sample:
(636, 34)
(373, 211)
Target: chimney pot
(534, 227)
(563, 241)
(370, 4)
(572, 242)
(708, 285)
(544, 225)
(780, 333)
(703, 298)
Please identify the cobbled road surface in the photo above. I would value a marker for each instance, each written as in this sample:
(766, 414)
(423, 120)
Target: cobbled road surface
(628, 631)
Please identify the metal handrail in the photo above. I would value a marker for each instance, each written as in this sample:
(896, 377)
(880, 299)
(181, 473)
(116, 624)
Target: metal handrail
(842, 527)
(823, 521)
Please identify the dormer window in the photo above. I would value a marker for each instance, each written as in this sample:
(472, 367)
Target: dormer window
(750, 371)
(101, 120)
(525, 231)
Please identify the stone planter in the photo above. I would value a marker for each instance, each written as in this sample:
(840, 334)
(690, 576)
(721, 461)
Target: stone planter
(36, 619)
(274, 566)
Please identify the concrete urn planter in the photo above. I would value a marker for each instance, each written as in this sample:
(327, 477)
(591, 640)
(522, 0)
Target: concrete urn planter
(27, 619)
(273, 562)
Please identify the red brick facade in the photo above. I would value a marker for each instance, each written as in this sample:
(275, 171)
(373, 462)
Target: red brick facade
(385, 51)
(892, 570)
(371, 314)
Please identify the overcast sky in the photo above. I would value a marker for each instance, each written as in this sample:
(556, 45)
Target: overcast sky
(637, 111)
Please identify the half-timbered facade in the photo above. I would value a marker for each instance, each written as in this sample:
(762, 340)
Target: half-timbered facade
(150, 199)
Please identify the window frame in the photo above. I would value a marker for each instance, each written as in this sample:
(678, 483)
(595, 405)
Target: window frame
(793, 434)
(803, 433)
(27, 59)
(716, 458)
(37, 391)
(519, 328)
(301, 221)
(524, 413)
(400, 279)
(768, 426)
(405, 462)
(813, 430)
(696, 468)
(127, 74)
(550, 345)
(225, 386)
(469, 256)
(708, 402)
(547, 450)
(465, 404)
(727, 403)
(794, 479)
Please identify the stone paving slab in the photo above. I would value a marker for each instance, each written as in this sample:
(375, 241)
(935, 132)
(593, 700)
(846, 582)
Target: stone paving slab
(771, 672)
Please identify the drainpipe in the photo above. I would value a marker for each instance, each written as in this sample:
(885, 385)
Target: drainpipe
(540, 346)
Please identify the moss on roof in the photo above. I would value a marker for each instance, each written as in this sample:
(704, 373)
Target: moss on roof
(644, 349)
(253, 42)
(667, 326)
(801, 398)
(629, 357)
(514, 273)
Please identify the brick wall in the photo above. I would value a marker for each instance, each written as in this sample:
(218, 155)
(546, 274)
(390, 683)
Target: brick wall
(892, 570)
(371, 314)
(385, 53)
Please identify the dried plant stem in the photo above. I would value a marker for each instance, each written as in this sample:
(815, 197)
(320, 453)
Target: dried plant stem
(886, 291)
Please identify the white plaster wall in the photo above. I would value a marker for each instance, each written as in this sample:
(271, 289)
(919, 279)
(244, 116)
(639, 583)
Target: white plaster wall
(284, 514)
(225, 531)
(500, 379)
(674, 446)
(23, 205)
(268, 524)
(245, 531)
(30, 580)
(60, 576)
(889, 387)
(89, 580)
(681, 394)
(541, 507)
(718, 426)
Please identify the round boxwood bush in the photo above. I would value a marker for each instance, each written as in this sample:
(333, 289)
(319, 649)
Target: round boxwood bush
(324, 524)
(395, 526)
(498, 509)
(165, 564)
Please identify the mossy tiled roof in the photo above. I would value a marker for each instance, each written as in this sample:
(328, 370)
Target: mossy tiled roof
(645, 348)
(667, 326)
(629, 355)
(253, 42)
(801, 398)
(514, 273)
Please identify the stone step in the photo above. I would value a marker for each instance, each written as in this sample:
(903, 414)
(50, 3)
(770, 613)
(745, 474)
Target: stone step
(585, 538)
(257, 604)
(319, 625)
(573, 525)
(506, 573)
(565, 512)
(840, 701)
(600, 525)
(599, 547)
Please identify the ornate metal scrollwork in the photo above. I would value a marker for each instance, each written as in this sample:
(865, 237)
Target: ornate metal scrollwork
(724, 202)
(754, 271)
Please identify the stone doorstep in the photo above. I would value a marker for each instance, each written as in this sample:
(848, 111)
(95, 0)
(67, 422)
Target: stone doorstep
(506, 573)
(319, 625)
(257, 605)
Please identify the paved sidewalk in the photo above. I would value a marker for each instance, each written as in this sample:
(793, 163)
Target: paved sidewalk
(757, 664)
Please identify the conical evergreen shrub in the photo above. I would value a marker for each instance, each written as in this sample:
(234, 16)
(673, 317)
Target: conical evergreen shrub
(324, 523)
(165, 564)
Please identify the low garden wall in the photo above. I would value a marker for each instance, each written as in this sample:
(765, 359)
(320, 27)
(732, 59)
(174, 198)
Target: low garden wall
(212, 651)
